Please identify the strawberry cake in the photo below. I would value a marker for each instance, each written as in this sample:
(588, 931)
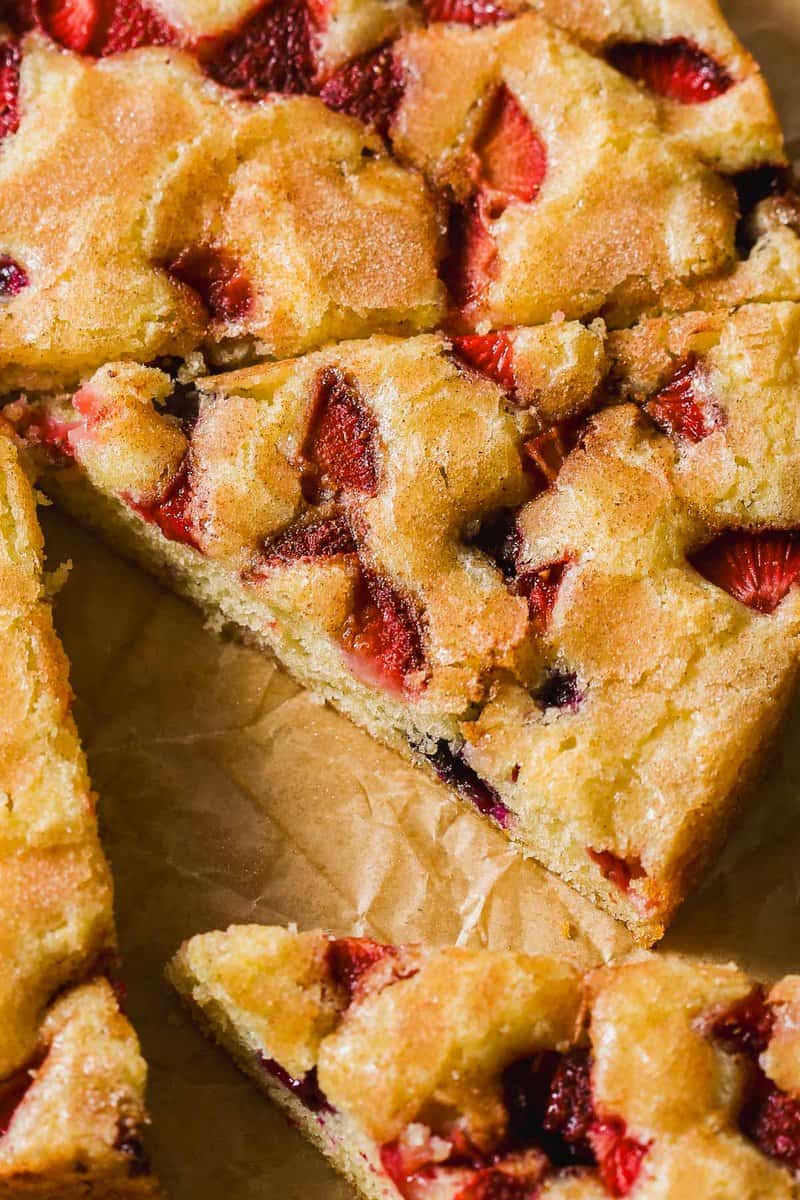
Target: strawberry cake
(71, 1076)
(453, 1074)
(553, 566)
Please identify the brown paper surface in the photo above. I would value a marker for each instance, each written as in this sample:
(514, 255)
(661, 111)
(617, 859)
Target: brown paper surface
(227, 794)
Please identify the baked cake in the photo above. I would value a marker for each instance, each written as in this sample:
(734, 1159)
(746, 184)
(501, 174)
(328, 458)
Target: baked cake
(71, 1076)
(553, 566)
(222, 183)
(453, 1074)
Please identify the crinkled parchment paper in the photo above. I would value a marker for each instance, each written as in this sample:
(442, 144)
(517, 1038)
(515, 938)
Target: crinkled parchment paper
(229, 795)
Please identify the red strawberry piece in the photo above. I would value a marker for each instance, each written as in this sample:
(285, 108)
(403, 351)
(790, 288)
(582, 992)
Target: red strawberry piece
(13, 278)
(676, 69)
(173, 514)
(327, 537)
(382, 638)
(341, 449)
(620, 871)
(132, 24)
(513, 158)
(271, 52)
(546, 453)
(467, 12)
(771, 1118)
(619, 1156)
(12, 1093)
(746, 1026)
(569, 1111)
(758, 567)
(516, 1177)
(72, 23)
(350, 959)
(492, 354)
(9, 88)
(218, 280)
(454, 770)
(681, 410)
(470, 262)
(369, 87)
(321, 11)
(540, 589)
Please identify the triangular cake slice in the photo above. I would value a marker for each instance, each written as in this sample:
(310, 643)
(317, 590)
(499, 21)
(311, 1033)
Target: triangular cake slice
(71, 1075)
(454, 1074)
(497, 557)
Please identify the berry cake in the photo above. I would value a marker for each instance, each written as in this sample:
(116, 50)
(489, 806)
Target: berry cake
(452, 1074)
(554, 566)
(71, 1076)
(239, 181)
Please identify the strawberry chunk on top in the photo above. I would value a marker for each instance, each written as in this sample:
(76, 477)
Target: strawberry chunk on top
(341, 450)
(272, 51)
(676, 69)
(513, 158)
(492, 354)
(9, 87)
(382, 638)
(369, 87)
(467, 12)
(682, 408)
(756, 567)
(218, 280)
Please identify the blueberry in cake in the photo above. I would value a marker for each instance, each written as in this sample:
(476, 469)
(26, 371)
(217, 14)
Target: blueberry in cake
(453, 1074)
(71, 1076)
(555, 567)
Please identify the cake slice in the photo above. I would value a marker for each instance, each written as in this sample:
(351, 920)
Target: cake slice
(452, 1074)
(520, 571)
(223, 184)
(71, 1076)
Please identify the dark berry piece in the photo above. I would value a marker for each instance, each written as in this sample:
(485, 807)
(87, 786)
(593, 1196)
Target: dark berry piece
(13, 278)
(470, 261)
(307, 1089)
(619, 871)
(341, 448)
(569, 1113)
(758, 568)
(369, 87)
(746, 1026)
(327, 537)
(771, 1119)
(676, 69)
(454, 770)
(271, 52)
(560, 690)
(499, 538)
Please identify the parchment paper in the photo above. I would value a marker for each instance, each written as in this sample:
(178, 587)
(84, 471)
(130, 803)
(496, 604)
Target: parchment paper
(227, 794)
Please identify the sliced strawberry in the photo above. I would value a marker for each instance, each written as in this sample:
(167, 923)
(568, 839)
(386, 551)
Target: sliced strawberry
(321, 12)
(218, 280)
(619, 1156)
(132, 24)
(492, 354)
(540, 589)
(757, 567)
(682, 408)
(746, 1026)
(676, 69)
(173, 514)
(327, 537)
(13, 278)
(271, 52)
(514, 1177)
(513, 158)
(454, 770)
(470, 262)
(350, 962)
(620, 871)
(72, 23)
(9, 87)
(12, 1093)
(467, 12)
(382, 638)
(369, 87)
(545, 454)
(569, 1112)
(341, 450)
